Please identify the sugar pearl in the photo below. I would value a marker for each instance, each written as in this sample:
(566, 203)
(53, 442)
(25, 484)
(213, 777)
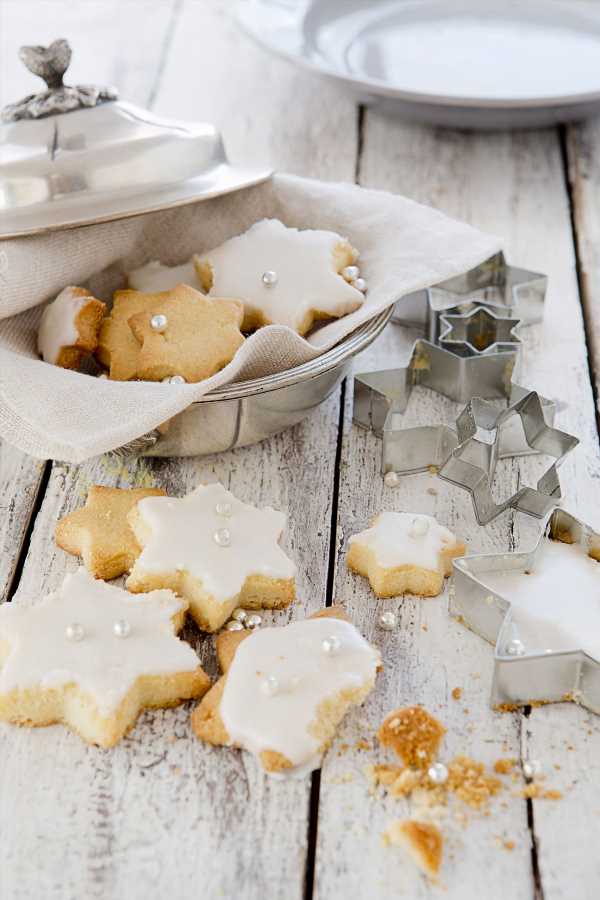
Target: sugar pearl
(515, 647)
(270, 685)
(159, 323)
(391, 479)
(240, 615)
(360, 284)
(223, 509)
(419, 527)
(253, 621)
(332, 645)
(222, 537)
(74, 632)
(351, 273)
(177, 379)
(269, 278)
(122, 628)
(438, 773)
(387, 621)
(234, 626)
(532, 768)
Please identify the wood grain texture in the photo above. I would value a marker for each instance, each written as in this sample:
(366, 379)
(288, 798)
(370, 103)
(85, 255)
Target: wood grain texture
(508, 184)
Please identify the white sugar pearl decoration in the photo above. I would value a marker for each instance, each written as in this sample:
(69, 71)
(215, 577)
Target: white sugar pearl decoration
(223, 509)
(234, 626)
(270, 686)
(222, 537)
(391, 479)
(360, 284)
(351, 273)
(419, 528)
(74, 632)
(253, 621)
(387, 621)
(159, 323)
(240, 615)
(177, 379)
(438, 773)
(515, 647)
(269, 278)
(532, 768)
(122, 628)
(332, 645)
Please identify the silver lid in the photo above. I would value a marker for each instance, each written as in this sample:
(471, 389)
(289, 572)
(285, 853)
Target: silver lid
(74, 156)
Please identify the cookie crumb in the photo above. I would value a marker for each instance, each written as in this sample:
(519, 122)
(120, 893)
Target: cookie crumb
(382, 774)
(423, 841)
(504, 766)
(467, 779)
(414, 734)
(508, 845)
(456, 693)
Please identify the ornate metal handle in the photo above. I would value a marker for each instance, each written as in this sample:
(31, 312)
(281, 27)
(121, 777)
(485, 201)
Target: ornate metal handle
(51, 63)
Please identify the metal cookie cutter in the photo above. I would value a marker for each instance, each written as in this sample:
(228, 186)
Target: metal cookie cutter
(508, 290)
(477, 331)
(471, 465)
(525, 676)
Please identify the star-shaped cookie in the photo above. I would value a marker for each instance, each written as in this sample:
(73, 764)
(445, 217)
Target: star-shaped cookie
(118, 349)
(285, 690)
(404, 553)
(197, 335)
(284, 276)
(92, 656)
(213, 550)
(100, 533)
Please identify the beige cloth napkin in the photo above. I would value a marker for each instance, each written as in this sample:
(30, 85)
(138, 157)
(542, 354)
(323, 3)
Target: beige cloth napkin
(53, 413)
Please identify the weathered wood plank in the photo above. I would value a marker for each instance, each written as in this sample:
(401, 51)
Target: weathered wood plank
(508, 184)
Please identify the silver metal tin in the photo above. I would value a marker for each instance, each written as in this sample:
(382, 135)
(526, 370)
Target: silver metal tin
(528, 678)
(100, 163)
(240, 414)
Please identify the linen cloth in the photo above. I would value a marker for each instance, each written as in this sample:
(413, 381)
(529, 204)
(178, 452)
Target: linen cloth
(51, 412)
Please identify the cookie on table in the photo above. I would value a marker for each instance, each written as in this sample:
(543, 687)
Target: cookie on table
(99, 532)
(423, 841)
(186, 334)
(154, 276)
(404, 553)
(285, 690)
(92, 656)
(69, 327)
(284, 276)
(215, 551)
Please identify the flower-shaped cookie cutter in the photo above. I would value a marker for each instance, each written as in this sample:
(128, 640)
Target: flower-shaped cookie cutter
(507, 290)
(472, 463)
(525, 676)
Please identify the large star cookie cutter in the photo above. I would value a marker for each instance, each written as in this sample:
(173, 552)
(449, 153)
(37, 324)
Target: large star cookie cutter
(523, 674)
(508, 290)
(472, 463)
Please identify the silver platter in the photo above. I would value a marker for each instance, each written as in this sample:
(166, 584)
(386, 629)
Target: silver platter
(464, 64)
(236, 415)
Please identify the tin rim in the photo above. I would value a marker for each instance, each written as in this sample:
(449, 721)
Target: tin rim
(349, 346)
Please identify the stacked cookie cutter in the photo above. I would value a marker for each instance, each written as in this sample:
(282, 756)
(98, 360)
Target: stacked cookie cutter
(471, 358)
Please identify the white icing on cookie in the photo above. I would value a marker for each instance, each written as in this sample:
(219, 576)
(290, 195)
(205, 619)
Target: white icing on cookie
(215, 538)
(557, 605)
(57, 325)
(154, 277)
(292, 659)
(302, 263)
(101, 663)
(406, 539)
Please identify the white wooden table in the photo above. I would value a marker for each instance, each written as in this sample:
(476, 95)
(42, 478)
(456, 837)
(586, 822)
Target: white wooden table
(164, 816)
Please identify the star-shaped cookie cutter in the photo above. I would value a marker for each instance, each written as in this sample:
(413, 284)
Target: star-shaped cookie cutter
(478, 331)
(472, 463)
(523, 677)
(508, 290)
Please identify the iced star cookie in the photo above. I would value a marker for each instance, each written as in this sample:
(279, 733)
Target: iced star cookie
(423, 841)
(154, 277)
(92, 656)
(186, 334)
(284, 276)
(404, 553)
(69, 327)
(284, 691)
(100, 533)
(213, 550)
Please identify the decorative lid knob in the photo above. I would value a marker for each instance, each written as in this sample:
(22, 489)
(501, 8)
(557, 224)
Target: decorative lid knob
(51, 63)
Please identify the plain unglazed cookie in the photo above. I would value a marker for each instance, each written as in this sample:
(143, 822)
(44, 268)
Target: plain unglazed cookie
(92, 656)
(284, 276)
(285, 690)
(154, 277)
(69, 327)
(423, 841)
(186, 334)
(213, 550)
(118, 349)
(100, 533)
(404, 553)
